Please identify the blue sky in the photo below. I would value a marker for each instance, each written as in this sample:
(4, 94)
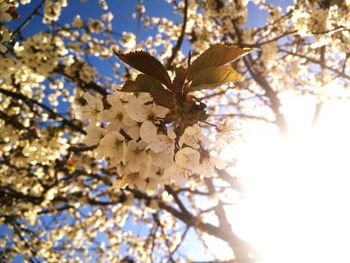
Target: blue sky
(122, 11)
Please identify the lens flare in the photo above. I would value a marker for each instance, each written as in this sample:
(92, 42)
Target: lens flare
(297, 207)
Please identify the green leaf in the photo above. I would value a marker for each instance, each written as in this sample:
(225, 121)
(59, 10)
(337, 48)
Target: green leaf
(216, 56)
(143, 83)
(144, 62)
(213, 77)
(163, 97)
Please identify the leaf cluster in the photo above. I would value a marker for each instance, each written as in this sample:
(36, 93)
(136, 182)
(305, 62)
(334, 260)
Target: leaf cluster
(208, 71)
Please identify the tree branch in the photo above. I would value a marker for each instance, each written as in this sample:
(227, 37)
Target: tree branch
(280, 121)
(24, 23)
(180, 39)
(53, 114)
(244, 253)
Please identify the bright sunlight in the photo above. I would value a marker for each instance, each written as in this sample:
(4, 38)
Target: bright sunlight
(297, 203)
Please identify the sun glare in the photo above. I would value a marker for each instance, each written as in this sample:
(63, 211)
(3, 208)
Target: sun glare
(297, 207)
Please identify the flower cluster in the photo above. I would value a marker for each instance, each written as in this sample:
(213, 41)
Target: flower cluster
(52, 10)
(42, 52)
(5, 37)
(76, 67)
(132, 134)
(7, 13)
(96, 26)
(326, 24)
(7, 10)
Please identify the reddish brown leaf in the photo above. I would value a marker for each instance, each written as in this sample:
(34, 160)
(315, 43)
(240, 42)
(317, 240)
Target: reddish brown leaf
(179, 79)
(129, 86)
(163, 97)
(144, 62)
(143, 83)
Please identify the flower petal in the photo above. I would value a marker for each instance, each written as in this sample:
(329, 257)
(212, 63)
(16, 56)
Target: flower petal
(148, 132)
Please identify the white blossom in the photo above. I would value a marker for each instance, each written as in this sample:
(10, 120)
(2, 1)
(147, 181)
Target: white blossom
(177, 174)
(192, 136)
(208, 165)
(129, 40)
(112, 145)
(94, 134)
(92, 109)
(140, 112)
(115, 115)
(187, 158)
(78, 22)
(148, 132)
(136, 156)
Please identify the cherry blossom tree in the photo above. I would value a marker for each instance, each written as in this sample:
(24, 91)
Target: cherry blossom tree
(131, 166)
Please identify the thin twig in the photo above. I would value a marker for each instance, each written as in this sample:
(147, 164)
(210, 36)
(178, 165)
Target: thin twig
(24, 23)
(180, 39)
